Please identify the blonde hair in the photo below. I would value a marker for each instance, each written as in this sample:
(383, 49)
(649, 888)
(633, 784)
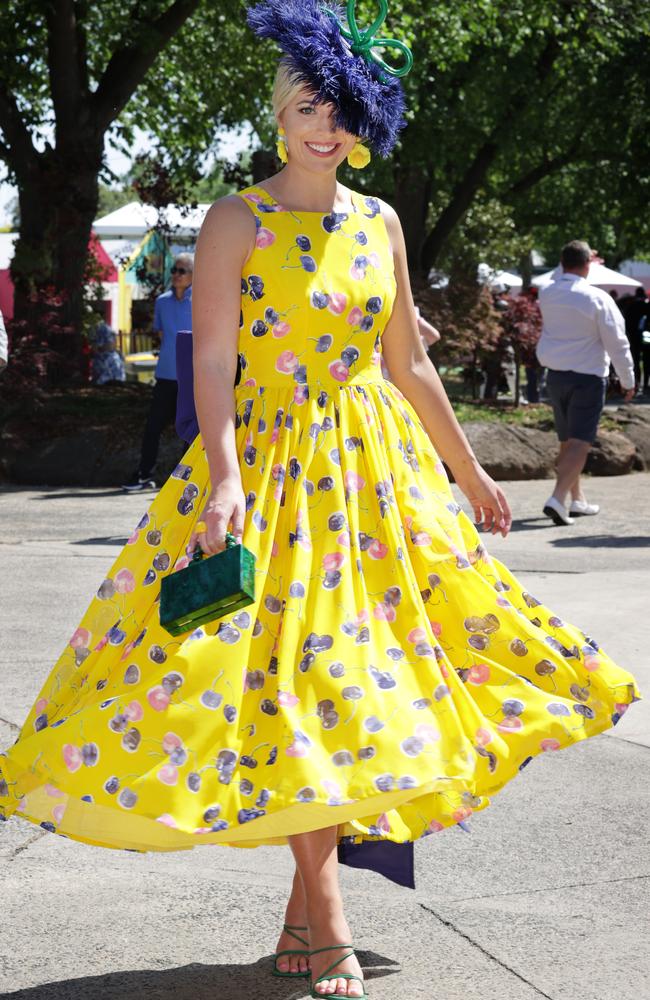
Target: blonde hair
(285, 87)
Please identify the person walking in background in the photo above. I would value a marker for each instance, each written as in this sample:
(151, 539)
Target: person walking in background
(582, 329)
(172, 312)
(644, 337)
(635, 309)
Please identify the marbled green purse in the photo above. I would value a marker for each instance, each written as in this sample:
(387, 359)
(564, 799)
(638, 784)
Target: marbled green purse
(208, 589)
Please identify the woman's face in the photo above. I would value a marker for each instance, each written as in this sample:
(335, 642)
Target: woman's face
(313, 139)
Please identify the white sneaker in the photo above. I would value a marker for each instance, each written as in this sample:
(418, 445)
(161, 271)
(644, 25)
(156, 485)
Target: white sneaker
(580, 508)
(557, 511)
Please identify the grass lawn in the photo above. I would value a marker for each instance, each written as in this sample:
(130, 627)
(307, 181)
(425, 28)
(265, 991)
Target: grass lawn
(502, 410)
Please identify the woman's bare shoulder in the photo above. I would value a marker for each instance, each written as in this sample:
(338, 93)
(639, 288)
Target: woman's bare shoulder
(393, 225)
(230, 215)
(391, 217)
(230, 210)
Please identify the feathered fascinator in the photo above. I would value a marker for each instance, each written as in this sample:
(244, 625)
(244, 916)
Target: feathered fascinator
(340, 63)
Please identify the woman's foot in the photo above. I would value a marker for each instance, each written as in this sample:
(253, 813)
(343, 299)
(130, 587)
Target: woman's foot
(332, 929)
(294, 964)
(295, 919)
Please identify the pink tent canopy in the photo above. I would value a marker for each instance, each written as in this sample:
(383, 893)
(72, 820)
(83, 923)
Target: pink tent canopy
(106, 270)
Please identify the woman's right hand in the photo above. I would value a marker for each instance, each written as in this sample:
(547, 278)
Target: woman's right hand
(225, 508)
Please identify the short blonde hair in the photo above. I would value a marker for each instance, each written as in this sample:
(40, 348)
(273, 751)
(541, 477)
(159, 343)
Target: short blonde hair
(285, 87)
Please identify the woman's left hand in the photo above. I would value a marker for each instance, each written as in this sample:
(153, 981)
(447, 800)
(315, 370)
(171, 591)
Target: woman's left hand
(491, 509)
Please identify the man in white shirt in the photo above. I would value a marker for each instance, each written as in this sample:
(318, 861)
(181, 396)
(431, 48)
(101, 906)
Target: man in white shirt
(582, 329)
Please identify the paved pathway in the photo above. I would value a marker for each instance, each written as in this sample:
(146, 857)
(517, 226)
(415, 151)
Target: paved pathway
(547, 898)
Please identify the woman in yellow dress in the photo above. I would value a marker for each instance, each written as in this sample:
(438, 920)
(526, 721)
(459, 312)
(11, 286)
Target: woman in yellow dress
(389, 675)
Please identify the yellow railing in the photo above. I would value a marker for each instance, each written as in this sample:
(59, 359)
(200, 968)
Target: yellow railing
(134, 342)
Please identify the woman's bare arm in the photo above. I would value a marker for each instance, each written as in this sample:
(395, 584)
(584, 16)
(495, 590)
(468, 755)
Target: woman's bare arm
(415, 376)
(225, 242)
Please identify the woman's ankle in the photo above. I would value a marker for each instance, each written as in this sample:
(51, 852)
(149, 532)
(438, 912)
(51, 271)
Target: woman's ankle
(325, 910)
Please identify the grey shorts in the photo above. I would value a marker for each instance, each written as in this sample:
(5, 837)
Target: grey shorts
(577, 401)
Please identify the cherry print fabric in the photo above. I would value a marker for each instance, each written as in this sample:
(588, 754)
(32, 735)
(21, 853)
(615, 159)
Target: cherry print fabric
(390, 675)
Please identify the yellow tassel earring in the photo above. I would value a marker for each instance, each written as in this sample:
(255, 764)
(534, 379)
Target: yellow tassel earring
(281, 146)
(359, 156)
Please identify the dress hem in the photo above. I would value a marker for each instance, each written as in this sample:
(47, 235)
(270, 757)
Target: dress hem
(171, 839)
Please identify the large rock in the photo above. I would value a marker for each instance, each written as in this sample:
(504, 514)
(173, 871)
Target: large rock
(634, 422)
(508, 451)
(613, 454)
(100, 456)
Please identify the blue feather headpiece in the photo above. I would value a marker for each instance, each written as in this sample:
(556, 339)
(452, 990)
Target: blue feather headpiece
(338, 64)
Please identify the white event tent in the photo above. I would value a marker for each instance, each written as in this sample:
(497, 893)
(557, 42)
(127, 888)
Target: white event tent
(639, 269)
(133, 221)
(498, 281)
(129, 238)
(603, 277)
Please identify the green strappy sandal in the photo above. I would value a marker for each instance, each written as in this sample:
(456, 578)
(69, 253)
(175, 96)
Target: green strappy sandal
(337, 975)
(290, 930)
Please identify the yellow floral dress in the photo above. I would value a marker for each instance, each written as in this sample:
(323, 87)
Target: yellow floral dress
(389, 677)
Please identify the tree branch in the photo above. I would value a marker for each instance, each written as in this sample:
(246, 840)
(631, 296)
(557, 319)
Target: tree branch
(63, 63)
(538, 173)
(545, 219)
(142, 43)
(466, 188)
(18, 149)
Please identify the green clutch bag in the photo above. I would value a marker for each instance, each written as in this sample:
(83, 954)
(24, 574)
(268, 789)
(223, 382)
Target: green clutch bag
(207, 589)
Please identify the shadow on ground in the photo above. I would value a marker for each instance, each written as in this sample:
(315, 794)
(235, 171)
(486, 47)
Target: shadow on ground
(604, 541)
(532, 523)
(78, 495)
(102, 540)
(193, 982)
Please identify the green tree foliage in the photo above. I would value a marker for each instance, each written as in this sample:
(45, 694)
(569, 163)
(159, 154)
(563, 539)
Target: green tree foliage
(540, 105)
(527, 121)
(74, 73)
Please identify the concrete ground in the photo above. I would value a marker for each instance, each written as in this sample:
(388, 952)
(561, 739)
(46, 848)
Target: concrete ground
(547, 898)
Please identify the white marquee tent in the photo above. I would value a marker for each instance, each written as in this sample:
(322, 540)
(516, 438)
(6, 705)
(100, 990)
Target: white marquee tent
(603, 277)
(639, 269)
(134, 220)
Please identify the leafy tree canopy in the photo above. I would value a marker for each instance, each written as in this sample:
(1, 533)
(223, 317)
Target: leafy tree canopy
(527, 119)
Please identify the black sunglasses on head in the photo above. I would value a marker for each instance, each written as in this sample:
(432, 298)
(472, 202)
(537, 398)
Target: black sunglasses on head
(179, 270)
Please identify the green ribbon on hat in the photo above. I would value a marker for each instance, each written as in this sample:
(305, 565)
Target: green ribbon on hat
(362, 43)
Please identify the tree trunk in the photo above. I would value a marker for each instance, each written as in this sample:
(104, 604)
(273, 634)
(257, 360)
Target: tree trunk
(412, 195)
(517, 362)
(526, 268)
(461, 199)
(58, 204)
(263, 164)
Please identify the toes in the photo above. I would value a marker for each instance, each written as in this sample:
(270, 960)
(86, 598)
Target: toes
(342, 987)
